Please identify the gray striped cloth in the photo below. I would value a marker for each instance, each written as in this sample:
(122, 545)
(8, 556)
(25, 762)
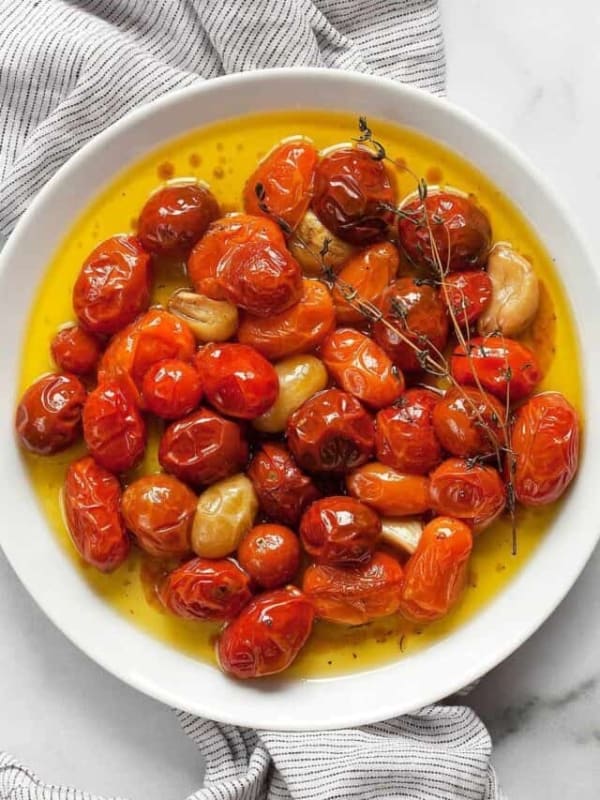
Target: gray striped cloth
(68, 68)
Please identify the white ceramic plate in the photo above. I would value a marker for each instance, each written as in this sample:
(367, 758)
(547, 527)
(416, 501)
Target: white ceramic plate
(165, 673)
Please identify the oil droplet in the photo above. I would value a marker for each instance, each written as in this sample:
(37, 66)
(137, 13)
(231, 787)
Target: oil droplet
(434, 175)
(219, 173)
(195, 160)
(165, 171)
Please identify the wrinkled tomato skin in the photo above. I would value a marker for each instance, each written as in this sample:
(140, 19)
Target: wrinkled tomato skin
(545, 441)
(48, 417)
(299, 329)
(268, 634)
(159, 511)
(405, 437)
(331, 432)
(351, 191)
(389, 492)
(203, 448)
(206, 589)
(175, 217)
(501, 365)
(357, 595)
(113, 286)
(75, 350)
(171, 389)
(360, 367)
(436, 574)
(472, 493)
(468, 423)
(284, 180)
(91, 501)
(461, 232)
(467, 295)
(237, 380)
(369, 272)
(423, 320)
(270, 554)
(340, 531)
(283, 490)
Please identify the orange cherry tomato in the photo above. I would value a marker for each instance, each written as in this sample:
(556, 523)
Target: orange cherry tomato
(352, 189)
(203, 448)
(113, 286)
(436, 574)
(362, 368)
(339, 530)
(545, 441)
(270, 554)
(159, 511)
(467, 294)
(171, 388)
(75, 350)
(175, 217)
(500, 365)
(368, 272)
(460, 229)
(296, 330)
(417, 312)
(206, 589)
(282, 184)
(389, 492)
(91, 499)
(473, 493)
(405, 437)
(331, 432)
(237, 380)
(48, 417)
(268, 634)
(468, 422)
(357, 595)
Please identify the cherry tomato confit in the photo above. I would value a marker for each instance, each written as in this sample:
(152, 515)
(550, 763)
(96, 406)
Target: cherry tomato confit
(344, 388)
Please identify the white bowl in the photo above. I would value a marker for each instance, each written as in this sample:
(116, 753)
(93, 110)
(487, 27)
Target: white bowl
(152, 666)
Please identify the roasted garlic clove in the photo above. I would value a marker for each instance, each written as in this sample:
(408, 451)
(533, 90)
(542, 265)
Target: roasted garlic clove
(224, 515)
(515, 293)
(210, 320)
(401, 533)
(307, 242)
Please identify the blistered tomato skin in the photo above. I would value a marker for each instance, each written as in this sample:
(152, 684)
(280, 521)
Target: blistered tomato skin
(91, 501)
(545, 441)
(270, 554)
(171, 389)
(175, 217)
(405, 437)
(369, 272)
(389, 492)
(474, 493)
(206, 589)
(468, 422)
(113, 286)
(268, 634)
(468, 295)
(48, 417)
(75, 350)
(340, 531)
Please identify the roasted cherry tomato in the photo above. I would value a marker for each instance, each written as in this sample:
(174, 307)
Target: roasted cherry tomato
(468, 422)
(113, 286)
(283, 490)
(298, 329)
(75, 350)
(417, 312)
(202, 448)
(113, 428)
(91, 498)
(159, 511)
(362, 368)
(473, 493)
(48, 417)
(282, 184)
(352, 190)
(175, 217)
(405, 437)
(339, 530)
(268, 634)
(467, 295)
(460, 229)
(237, 380)
(368, 273)
(545, 441)
(270, 554)
(206, 589)
(171, 388)
(331, 432)
(436, 574)
(357, 595)
(503, 367)
(389, 492)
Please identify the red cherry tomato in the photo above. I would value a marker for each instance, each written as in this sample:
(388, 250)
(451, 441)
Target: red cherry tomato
(389, 492)
(268, 634)
(113, 286)
(91, 498)
(339, 530)
(471, 492)
(468, 423)
(48, 417)
(206, 589)
(467, 294)
(368, 272)
(545, 441)
(270, 554)
(171, 388)
(405, 437)
(352, 190)
(75, 350)
(436, 574)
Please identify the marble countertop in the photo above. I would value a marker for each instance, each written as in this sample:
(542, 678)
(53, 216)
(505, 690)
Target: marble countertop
(530, 70)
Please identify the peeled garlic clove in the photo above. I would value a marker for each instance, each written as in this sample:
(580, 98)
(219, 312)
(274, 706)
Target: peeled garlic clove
(210, 320)
(515, 293)
(402, 533)
(307, 242)
(224, 515)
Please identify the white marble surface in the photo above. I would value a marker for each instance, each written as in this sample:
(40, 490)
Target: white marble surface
(530, 68)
